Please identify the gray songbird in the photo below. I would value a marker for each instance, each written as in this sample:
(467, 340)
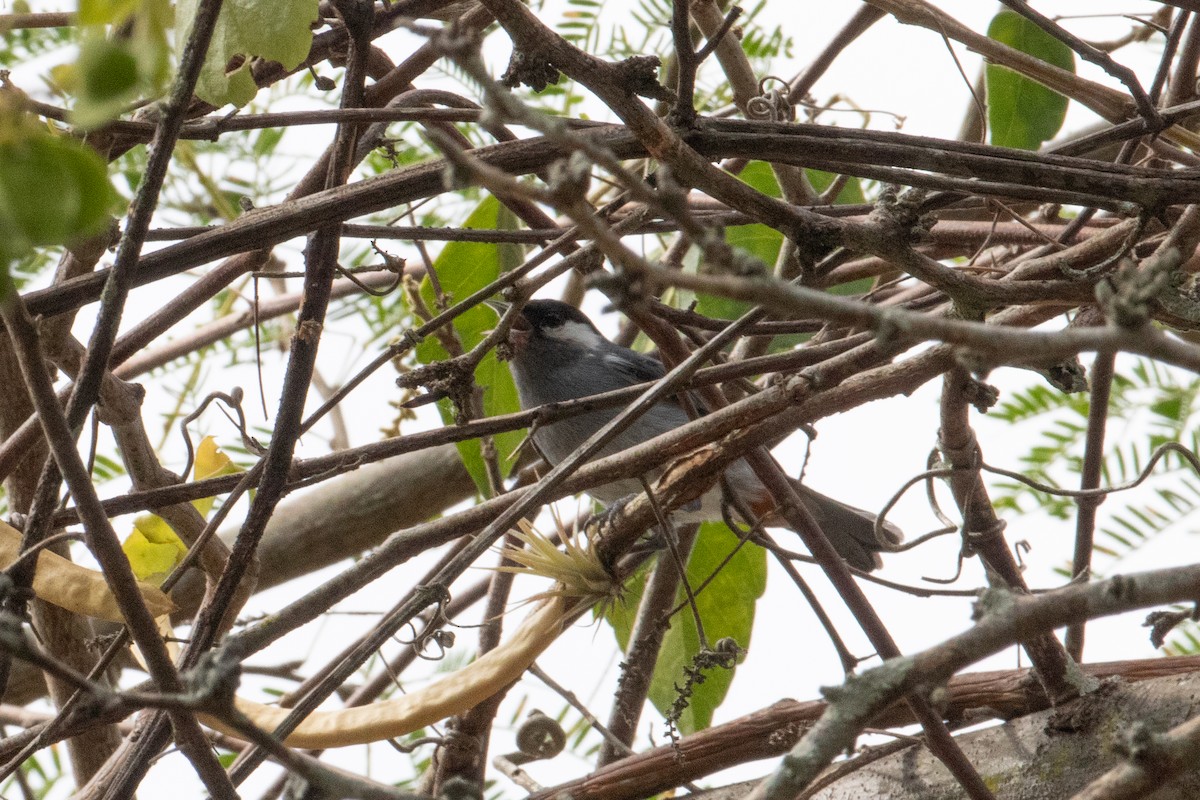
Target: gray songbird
(559, 355)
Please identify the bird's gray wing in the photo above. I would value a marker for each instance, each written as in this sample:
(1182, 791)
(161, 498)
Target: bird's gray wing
(634, 367)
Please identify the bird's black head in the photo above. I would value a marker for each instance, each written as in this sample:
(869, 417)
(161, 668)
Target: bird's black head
(552, 322)
(545, 316)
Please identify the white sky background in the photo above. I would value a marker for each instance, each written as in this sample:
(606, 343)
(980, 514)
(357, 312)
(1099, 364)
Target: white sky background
(861, 458)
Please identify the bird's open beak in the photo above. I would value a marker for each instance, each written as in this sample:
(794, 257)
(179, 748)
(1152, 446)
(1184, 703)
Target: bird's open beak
(518, 334)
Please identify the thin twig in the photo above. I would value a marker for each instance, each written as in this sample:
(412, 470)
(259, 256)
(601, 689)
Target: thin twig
(1089, 478)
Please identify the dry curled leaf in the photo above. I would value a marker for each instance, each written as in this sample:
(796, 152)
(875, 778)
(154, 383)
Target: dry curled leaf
(75, 588)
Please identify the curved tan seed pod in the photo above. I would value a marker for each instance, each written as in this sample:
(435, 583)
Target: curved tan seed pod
(453, 694)
(75, 588)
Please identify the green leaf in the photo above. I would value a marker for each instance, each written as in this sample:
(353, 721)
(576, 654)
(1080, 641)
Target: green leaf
(463, 268)
(267, 140)
(850, 194)
(758, 240)
(104, 81)
(726, 607)
(764, 242)
(106, 12)
(274, 30)
(109, 70)
(52, 190)
(114, 71)
(1021, 112)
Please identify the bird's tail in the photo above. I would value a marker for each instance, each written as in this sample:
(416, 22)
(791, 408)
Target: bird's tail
(851, 530)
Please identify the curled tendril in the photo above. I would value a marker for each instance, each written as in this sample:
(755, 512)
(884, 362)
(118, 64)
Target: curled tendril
(541, 736)
(231, 400)
(771, 104)
(936, 470)
(433, 632)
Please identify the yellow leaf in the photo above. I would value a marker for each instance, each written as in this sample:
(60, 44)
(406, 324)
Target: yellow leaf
(211, 462)
(153, 549)
(65, 77)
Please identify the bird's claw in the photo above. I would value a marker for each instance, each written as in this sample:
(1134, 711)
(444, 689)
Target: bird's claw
(600, 521)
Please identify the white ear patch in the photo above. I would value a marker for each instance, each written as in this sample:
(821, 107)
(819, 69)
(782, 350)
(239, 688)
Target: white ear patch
(576, 333)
